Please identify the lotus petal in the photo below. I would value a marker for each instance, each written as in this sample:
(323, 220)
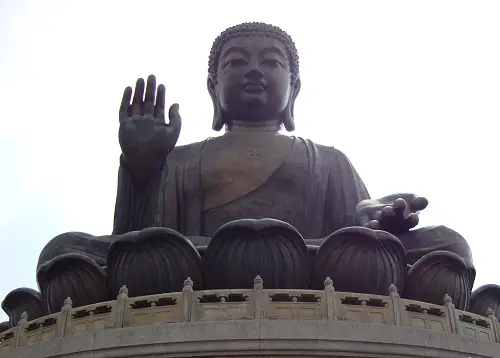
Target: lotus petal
(439, 273)
(153, 260)
(23, 300)
(359, 259)
(485, 297)
(72, 275)
(243, 249)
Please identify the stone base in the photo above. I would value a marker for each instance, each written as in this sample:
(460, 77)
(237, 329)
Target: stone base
(290, 338)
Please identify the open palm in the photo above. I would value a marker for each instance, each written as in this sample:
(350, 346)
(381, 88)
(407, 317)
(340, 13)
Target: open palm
(145, 138)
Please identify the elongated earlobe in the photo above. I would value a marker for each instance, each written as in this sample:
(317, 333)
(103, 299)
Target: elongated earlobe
(217, 122)
(288, 119)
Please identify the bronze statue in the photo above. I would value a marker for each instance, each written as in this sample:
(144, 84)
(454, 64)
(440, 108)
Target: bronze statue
(252, 201)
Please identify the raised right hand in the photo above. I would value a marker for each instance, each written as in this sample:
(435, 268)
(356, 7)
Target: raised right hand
(144, 136)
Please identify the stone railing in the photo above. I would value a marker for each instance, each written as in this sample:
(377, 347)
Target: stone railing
(248, 304)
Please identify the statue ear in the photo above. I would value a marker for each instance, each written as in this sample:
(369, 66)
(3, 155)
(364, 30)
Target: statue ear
(289, 121)
(218, 122)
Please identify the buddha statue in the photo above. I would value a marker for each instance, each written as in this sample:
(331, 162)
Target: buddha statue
(251, 201)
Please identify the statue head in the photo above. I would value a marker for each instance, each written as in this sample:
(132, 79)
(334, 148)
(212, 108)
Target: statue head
(253, 75)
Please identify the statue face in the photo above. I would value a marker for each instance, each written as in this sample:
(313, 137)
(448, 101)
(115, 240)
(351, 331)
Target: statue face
(253, 79)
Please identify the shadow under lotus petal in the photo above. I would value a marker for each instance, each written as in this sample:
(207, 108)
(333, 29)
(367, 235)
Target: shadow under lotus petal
(5, 326)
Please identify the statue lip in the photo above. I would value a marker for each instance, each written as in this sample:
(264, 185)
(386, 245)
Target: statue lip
(253, 87)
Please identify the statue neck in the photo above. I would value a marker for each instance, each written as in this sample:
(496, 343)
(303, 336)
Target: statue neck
(256, 127)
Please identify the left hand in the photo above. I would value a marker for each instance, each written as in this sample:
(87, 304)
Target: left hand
(396, 214)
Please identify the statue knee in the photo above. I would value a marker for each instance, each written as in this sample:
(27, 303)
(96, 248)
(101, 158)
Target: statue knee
(95, 247)
(425, 240)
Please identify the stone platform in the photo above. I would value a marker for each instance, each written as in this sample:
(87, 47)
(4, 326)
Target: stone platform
(254, 323)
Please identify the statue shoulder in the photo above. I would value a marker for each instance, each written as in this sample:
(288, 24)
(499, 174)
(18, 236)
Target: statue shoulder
(330, 153)
(185, 152)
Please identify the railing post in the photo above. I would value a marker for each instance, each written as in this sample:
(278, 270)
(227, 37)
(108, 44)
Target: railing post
(331, 300)
(452, 314)
(494, 322)
(21, 326)
(187, 300)
(396, 305)
(120, 306)
(64, 317)
(258, 290)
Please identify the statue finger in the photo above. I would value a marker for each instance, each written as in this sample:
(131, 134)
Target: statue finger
(174, 117)
(374, 225)
(412, 220)
(149, 97)
(400, 206)
(384, 214)
(418, 204)
(160, 102)
(124, 106)
(388, 211)
(137, 102)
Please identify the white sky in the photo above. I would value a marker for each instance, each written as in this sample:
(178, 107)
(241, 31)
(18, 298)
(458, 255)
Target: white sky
(409, 90)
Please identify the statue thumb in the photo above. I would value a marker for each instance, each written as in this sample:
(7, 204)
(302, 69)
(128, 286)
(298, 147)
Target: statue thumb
(174, 116)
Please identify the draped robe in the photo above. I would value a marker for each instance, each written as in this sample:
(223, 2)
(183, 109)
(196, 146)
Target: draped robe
(206, 184)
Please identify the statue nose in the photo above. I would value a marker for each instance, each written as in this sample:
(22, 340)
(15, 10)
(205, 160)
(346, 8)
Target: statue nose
(254, 74)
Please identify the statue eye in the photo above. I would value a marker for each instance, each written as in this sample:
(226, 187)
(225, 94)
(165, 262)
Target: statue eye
(237, 62)
(272, 62)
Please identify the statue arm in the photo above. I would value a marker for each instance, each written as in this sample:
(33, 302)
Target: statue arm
(345, 190)
(146, 141)
(351, 204)
(138, 203)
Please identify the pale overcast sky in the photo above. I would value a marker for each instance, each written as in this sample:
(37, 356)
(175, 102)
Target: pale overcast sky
(409, 90)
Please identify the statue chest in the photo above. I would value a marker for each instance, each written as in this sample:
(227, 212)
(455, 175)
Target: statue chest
(234, 165)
